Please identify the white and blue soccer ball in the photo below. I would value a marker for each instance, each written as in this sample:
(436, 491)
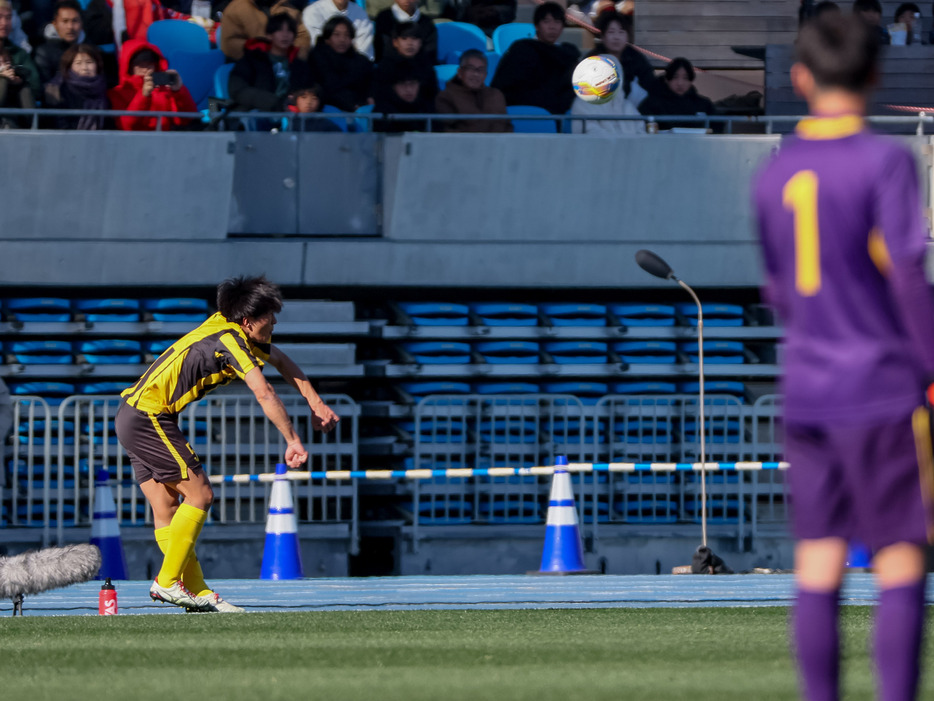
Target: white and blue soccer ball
(597, 79)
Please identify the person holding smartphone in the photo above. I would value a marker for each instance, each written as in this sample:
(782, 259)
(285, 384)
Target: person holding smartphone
(147, 84)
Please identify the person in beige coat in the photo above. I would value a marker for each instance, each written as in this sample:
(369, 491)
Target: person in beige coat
(246, 19)
(466, 93)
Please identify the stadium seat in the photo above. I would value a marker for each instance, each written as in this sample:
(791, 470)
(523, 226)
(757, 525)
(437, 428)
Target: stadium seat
(342, 124)
(492, 61)
(107, 310)
(454, 38)
(717, 352)
(644, 314)
(508, 352)
(735, 389)
(644, 388)
(574, 314)
(157, 348)
(110, 351)
(102, 387)
(52, 392)
(509, 431)
(438, 352)
(434, 431)
(589, 393)
(221, 76)
(441, 511)
(714, 314)
(435, 314)
(509, 508)
(362, 125)
(424, 389)
(174, 35)
(577, 352)
(186, 309)
(647, 510)
(197, 69)
(719, 432)
(45, 309)
(505, 34)
(531, 126)
(40, 352)
(508, 314)
(567, 431)
(647, 351)
(505, 388)
(444, 72)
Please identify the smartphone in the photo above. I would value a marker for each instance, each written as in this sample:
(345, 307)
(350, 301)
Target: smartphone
(163, 78)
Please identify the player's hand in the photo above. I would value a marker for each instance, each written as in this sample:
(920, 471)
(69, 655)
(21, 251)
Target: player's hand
(295, 455)
(323, 418)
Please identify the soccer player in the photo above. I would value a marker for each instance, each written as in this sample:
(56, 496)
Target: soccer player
(234, 342)
(843, 241)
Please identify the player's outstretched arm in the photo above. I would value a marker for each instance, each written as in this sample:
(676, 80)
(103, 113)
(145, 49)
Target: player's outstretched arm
(323, 417)
(295, 454)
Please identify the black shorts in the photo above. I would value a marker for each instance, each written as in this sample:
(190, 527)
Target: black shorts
(156, 446)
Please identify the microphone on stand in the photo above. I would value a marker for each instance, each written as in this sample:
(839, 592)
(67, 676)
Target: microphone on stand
(655, 265)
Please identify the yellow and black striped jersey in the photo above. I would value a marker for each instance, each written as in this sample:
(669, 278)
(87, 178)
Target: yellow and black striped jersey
(210, 356)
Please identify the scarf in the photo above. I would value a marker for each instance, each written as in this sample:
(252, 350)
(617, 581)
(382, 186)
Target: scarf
(88, 93)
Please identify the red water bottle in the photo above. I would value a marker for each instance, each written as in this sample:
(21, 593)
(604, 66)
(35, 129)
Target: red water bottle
(107, 603)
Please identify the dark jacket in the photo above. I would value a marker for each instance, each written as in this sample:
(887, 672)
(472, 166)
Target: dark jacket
(345, 79)
(382, 36)
(486, 14)
(48, 57)
(535, 73)
(391, 104)
(635, 65)
(19, 57)
(252, 82)
(70, 92)
(392, 65)
(666, 102)
(457, 98)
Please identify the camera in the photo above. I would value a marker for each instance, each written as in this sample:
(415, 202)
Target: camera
(20, 72)
(163, 78)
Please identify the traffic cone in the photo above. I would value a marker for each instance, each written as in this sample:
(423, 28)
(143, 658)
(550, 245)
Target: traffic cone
(281, 556)
(563, 552)
(105, 530)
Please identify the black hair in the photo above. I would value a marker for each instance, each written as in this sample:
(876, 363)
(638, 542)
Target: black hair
(472, 53)
(405, 30)
(678, 63)
(548, 9)
(609, 15)
(240, 298)
(839, 50)
(280, 20)
(328, 29)
(145, 56)
(314, 89)
(867, 6)
(907, 7)
(66, 5)
(72, 52)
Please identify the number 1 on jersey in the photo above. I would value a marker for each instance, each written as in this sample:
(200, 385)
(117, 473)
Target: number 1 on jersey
(800, 196)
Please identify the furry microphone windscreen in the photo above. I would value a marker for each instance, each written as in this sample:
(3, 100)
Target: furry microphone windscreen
(51, 568)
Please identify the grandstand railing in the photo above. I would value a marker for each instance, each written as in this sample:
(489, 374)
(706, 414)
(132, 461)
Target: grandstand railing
(56, 455)
(216, 119)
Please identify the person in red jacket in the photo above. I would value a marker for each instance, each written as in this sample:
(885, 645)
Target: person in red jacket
(140, 67)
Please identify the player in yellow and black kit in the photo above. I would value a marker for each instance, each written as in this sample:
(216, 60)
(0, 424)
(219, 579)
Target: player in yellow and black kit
(233, 343)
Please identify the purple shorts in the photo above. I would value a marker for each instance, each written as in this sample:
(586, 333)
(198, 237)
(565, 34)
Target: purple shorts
(861, 483)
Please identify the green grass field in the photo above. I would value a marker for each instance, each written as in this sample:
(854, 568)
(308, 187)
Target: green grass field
(697, 654)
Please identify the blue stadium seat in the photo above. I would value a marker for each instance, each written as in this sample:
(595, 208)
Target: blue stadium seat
(505, 388)
(187, 309)
(575, 314)
(644, 314)
(643, 429)
(492, 61)
(442, 511)
(102, 387)
(567, 431)
(24, 512)
(221, 78)
(638, 352)
(577, 352)
(40, 352)
(53, 393)
(424, 389)
(454, 38)
(436, 313)
(197, 69)
(644, 388)
(719, 432)
(360, 124)
(174, 35)
(505, 34)
(445, 71)
(589, 393)
(647, 510)
(736, 389)
(717, 352)
(157, 348)
(342, 124)
(46, 309)
(438, 430)
(714, 314)
(508, 431)
(38, 437)
(508, 352)
(112, 309)
(506, 314)
(111, 351)
(438, 352)
(719, 511)
(509, 508)
(531, 126)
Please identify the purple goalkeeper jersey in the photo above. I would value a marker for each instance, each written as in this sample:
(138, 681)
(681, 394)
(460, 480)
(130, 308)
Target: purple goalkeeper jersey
(843, 241)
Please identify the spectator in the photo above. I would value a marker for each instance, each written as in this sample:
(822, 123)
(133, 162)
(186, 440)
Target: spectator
(486, 14)
(538, 71)
(319, 12)
(406, 48)
(810, 10)
(21, 71)
(15, 92)
(905, 14)
(678, 96)
(871, 12)
(6, 424)
(132, 18)
(404, 97)
(308, 101)
(246, 19)
(403, 12)
(139, 64)
(64, 32)
(616, 39)
(345, 75)
(620, 105)
(18, 36)
(466, 93)
(270, 69)
(79, 85)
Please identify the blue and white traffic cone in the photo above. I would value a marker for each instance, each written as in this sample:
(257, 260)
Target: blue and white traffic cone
(563, 552)
(281, 556)
(105, 530)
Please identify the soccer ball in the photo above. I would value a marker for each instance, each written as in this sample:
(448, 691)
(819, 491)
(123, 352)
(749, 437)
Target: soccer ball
(597, 78)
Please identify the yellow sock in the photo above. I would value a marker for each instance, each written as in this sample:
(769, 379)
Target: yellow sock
(183, 532)
(192, 576)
